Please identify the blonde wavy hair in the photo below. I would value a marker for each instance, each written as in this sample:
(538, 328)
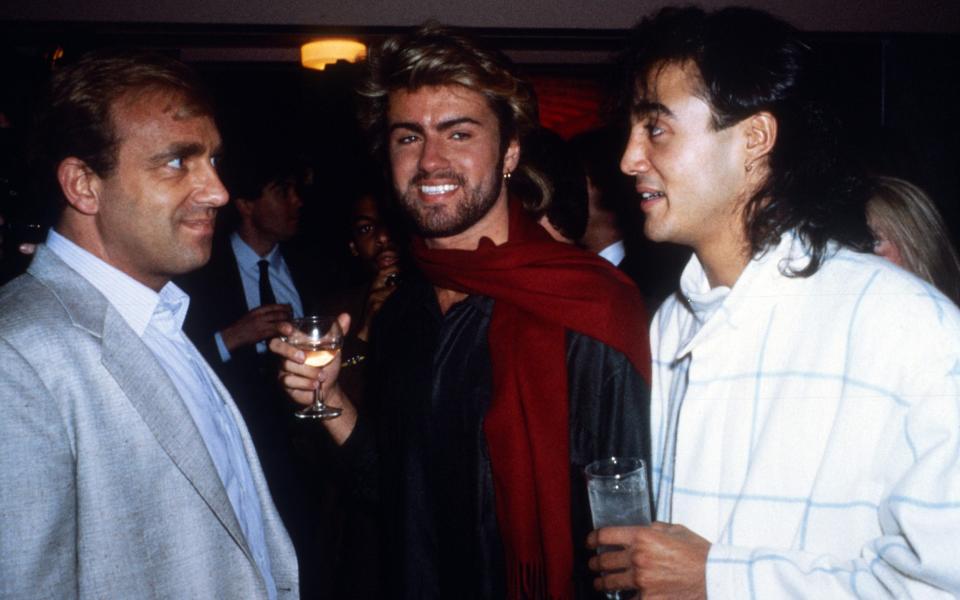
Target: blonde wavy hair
(905, 216)
(434, 54)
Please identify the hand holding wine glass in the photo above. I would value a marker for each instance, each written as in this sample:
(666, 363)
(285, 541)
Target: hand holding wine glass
(320, 338)
(300, 381)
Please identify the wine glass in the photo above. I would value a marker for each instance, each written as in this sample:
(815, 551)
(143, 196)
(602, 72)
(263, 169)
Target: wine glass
(617, 488)
(320, 338)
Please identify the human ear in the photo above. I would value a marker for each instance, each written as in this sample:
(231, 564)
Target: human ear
(761, 135)
(353, 249)
(80, 185)
(511, 157)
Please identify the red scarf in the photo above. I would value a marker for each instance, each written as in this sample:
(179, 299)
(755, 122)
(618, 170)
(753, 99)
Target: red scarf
(540, 289)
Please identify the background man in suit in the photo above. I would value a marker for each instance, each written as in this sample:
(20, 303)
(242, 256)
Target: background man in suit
(598, 150)
(248, 287)
(612, 229)
(125, 468)
(253, 283)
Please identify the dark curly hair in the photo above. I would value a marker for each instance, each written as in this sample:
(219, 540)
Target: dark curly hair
(750, 61)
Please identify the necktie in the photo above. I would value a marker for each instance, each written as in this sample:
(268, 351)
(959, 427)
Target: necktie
(266, 292)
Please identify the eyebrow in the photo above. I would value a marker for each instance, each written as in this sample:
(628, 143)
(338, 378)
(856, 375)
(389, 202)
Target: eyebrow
(184, 150)
(642, 108)
(441, 126)
(449, 124)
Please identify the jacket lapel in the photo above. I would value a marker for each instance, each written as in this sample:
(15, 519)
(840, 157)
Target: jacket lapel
(144, 382)
(154, 396)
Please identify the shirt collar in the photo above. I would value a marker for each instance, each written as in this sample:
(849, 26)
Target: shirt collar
(715, 307)
(247, 258)
(134, 301)
(700, 297)
(614, 253)
(176, 301)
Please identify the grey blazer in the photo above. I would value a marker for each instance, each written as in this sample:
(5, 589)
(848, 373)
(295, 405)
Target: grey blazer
(106, 487)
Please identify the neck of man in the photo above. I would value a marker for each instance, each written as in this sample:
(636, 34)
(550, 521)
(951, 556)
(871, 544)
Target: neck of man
(252, 236)
(724, 259)
(602, 227)
(82, 231)
(601, 231)
(494, 225)
(727, 252)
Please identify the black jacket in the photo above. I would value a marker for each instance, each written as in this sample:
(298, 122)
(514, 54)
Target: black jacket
(418, 455)
(292, 451)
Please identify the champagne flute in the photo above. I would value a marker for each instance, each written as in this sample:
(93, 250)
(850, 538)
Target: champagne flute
(321, 339)
(617, 488)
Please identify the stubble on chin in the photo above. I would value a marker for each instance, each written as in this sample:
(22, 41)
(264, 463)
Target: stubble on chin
(449, 219)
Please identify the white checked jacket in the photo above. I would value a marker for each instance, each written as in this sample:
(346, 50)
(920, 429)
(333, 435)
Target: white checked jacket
(809, 428)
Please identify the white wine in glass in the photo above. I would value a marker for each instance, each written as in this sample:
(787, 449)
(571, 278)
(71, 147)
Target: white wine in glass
(320, 338)
(319, 355)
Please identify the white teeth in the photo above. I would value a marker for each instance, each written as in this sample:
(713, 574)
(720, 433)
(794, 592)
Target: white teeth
(648, 195)
(438, 189)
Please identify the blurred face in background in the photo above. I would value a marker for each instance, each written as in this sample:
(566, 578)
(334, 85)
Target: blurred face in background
(276, 213)
(370, 238)
(884, 245)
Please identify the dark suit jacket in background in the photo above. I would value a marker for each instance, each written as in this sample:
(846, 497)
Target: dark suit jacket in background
(291, 450)
(655, 268)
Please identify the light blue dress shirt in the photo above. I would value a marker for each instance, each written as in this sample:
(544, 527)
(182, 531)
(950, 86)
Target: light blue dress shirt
(614, 253)
(157, 320)
(280, 280)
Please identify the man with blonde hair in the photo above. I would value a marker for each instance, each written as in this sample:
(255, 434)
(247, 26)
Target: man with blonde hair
(503, 369)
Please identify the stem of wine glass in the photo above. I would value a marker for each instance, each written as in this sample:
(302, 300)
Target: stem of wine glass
(318, 398)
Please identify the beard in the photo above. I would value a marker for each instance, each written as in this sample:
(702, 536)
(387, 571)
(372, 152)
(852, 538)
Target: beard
(439, 220)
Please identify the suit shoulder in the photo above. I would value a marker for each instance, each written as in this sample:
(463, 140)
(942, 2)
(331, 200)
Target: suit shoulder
(26, 301)
(584, 350)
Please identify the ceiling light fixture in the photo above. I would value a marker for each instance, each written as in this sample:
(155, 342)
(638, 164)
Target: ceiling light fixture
(320, 53)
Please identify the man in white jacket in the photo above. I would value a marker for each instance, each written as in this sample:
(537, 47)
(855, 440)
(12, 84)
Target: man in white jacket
(806, 394)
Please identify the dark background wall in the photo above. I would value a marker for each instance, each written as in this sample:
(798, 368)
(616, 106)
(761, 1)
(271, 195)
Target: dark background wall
(891, 69)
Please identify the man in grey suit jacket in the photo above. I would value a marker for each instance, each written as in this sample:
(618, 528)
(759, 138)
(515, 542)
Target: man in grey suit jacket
(126, 470)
